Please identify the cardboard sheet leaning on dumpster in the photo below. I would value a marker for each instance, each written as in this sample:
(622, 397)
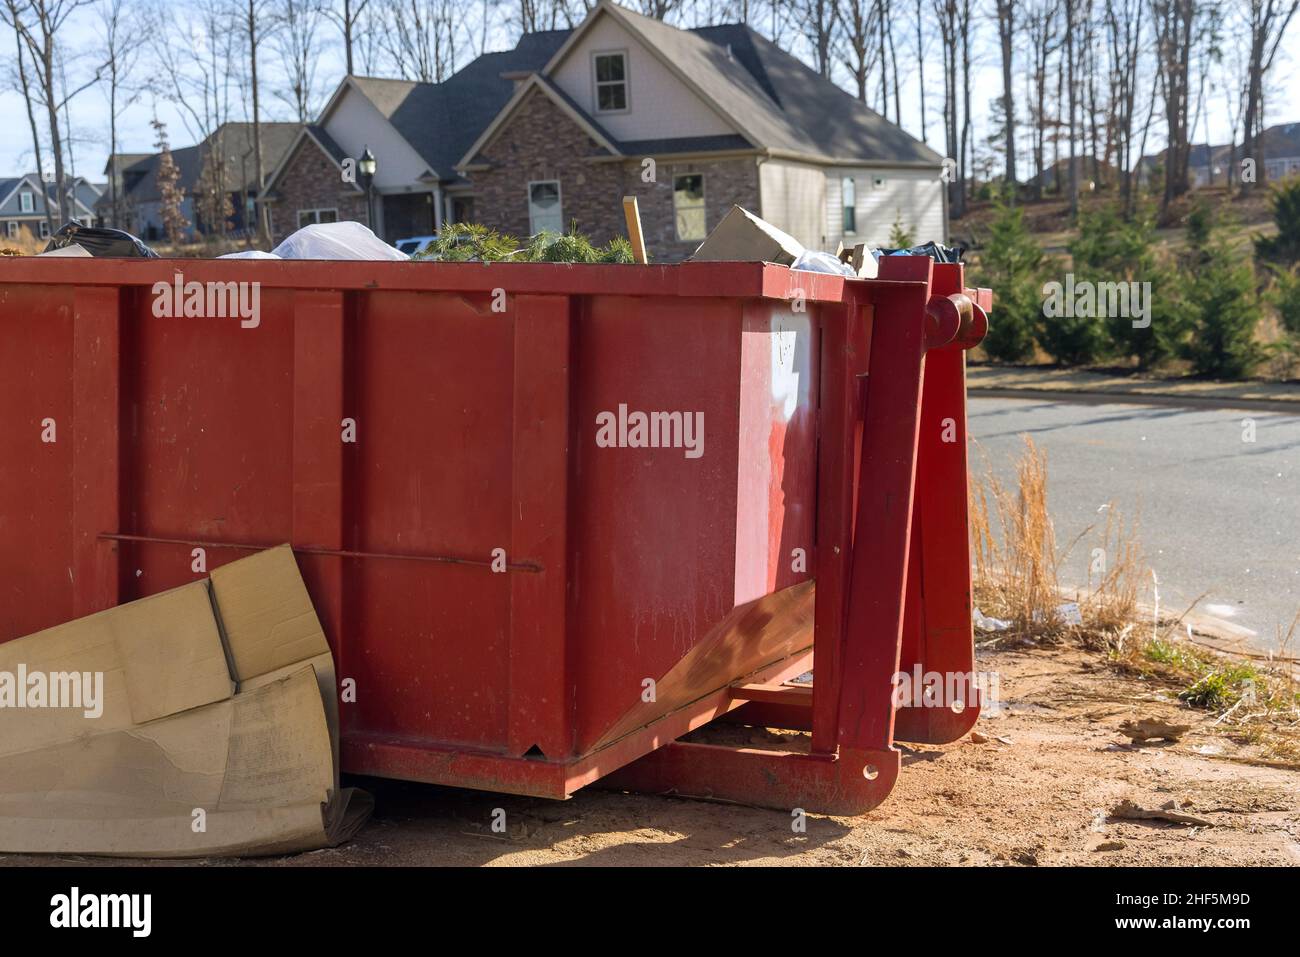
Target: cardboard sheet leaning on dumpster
(199, 722)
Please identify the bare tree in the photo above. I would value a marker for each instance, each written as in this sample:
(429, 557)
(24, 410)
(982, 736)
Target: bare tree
(297, 44)
(1175, 23)
(1268, 20)
(422, 38)
(854, 40)
(947, 16)
(967, 137)
(254, 14)
(1123, 20)
(1071, 15)
(920, 65)
(347, 20)
(122, 41)
(819, 20)
(22, 83)
(1006, 17)
(40, 25)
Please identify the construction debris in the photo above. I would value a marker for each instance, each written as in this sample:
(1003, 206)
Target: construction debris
(199, 722)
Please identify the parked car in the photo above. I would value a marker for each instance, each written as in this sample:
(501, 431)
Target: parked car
(415, 244)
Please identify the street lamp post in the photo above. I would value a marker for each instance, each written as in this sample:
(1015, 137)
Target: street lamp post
(366, 167)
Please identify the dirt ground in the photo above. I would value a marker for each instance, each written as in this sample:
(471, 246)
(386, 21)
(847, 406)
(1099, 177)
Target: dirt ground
(1038, 791)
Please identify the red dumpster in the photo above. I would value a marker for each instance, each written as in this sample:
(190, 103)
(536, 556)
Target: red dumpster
(553, 518)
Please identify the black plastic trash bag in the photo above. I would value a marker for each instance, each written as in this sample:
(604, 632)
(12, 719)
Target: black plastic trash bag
(100, 241)
(936, 251)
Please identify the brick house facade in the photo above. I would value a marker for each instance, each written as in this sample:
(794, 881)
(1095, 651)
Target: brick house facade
(727, 183)
(311, 180)
(539, 141)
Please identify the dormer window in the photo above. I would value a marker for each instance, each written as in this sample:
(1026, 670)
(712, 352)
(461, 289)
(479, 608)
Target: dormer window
(611, 82)
(26, 202)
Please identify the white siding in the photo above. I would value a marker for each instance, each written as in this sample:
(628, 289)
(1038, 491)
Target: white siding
(794, 200)
(355, 123)
(914, 197)
(660, 106)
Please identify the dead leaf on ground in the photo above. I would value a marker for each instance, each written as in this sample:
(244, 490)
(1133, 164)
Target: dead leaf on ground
(1153, 729)
(1127, 810)
(977, 738)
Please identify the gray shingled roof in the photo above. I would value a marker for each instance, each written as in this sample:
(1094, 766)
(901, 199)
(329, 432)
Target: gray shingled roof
(237, 143)
(781, 103)
(826, 119)
(328, 143)
(442, 120)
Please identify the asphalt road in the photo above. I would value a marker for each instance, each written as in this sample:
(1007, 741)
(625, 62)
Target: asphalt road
(1217, 513)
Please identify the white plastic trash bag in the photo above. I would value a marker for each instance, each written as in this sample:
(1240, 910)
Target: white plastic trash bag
(811, 260)
(348, 240)
(249, 254)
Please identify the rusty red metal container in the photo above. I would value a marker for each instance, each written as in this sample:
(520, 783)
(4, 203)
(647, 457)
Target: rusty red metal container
(525, 590)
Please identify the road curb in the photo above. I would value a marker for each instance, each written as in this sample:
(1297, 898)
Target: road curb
(1100, 397)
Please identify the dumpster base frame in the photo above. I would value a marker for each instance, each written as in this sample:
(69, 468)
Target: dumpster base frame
(389, 756)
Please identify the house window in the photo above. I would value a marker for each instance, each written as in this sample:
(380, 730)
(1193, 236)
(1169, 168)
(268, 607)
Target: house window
(12, 229)
(45, 230)
(308, 217)
(26, 202)
(545, 213)
(849, 202)
(688, 205)
(611, 82)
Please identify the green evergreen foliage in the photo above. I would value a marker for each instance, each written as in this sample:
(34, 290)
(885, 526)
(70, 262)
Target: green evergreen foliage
(1224, 309)
(1013, 265)
(1283, 248)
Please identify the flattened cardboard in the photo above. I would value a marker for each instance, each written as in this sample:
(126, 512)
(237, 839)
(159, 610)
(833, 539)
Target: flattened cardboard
(271, 627)
(158, 656)
(255, 752)
(266, 613)
(741, 236)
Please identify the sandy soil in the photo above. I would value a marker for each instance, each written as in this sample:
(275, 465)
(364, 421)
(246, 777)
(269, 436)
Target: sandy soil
(1038, 791)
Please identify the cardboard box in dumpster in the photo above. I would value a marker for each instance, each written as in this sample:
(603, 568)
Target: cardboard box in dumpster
(199, 722)
(741, 236)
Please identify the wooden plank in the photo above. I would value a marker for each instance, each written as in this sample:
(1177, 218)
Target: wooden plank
(632, 213)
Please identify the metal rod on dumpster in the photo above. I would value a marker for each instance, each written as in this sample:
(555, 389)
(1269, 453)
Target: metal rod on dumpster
(334, 552)
(632, 213)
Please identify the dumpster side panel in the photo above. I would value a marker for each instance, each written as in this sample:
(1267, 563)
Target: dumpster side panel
(433, 464)
(36, 576)
(672, 551)
(654, 529)
(208, 407)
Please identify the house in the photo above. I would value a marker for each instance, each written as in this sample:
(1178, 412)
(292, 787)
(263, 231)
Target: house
(218, 181)
(1092, 174)
(556, 131)
(1281, 151)
(1219, 165)
(417, 132)
(23, 200)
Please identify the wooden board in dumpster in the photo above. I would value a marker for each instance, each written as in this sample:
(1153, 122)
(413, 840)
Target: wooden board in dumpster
(202, 721)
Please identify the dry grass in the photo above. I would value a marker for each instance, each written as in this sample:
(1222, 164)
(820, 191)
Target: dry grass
(25, 244)
(1017, 560)
(1252, 698)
